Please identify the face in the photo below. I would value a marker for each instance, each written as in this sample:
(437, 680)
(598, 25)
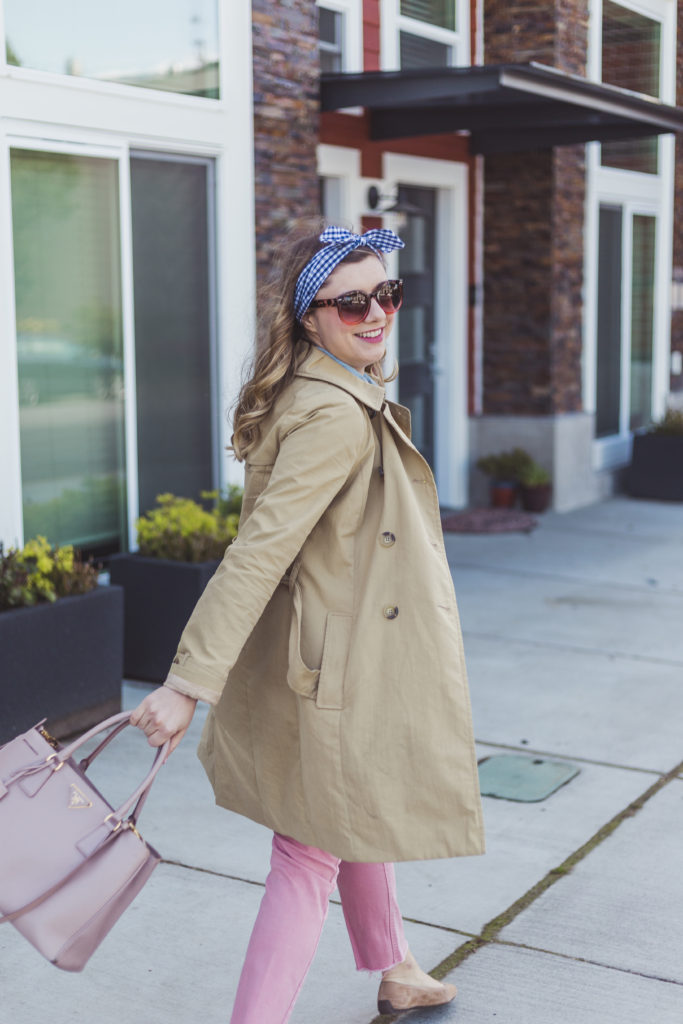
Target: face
(361, 344)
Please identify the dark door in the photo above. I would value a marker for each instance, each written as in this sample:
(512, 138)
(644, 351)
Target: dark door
(173, 261)
(416, 265)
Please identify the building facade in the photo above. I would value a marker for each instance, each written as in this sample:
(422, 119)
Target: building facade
(126, 258)
(143, 187)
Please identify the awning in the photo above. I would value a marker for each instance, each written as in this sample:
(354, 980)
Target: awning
(505, 107)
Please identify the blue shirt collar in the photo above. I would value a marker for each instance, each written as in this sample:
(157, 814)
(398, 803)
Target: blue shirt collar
(352, 369)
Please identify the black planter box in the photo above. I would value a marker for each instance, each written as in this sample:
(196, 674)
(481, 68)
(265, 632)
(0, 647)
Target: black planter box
(61, 661)
(159, 598)
(656, 469)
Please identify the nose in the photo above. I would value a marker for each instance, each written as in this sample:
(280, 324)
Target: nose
(372, 313)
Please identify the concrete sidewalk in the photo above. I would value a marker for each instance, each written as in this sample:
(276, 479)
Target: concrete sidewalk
(574, 642)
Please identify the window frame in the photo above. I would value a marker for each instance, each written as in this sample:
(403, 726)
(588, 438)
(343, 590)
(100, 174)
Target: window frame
(636, 193)
(46, 111)
(393, 23)
(162, 96)
(352, 31)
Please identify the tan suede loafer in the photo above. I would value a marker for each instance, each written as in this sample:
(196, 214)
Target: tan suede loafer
(399, 995)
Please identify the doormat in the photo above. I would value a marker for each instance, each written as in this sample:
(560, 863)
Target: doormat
(488, 520)
(524, 779)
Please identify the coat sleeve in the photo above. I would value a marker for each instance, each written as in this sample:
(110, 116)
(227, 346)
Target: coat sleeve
(318, 453)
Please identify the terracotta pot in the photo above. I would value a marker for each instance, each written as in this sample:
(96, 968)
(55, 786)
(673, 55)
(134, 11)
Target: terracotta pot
(537, 498)
(503, 494)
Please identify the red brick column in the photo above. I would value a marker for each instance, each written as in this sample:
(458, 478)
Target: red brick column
(533, 230)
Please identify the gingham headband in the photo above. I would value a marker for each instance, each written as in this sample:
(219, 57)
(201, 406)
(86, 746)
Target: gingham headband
(338, 244)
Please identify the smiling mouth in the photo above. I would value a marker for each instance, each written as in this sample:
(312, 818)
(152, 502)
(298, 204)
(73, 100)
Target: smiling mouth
(372, 335)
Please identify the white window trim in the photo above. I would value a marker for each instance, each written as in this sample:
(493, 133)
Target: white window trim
(393, 22)
(58, 114)
(637, 193)
(352, 41)
(345, 165)
(663, 11)
(451, 422)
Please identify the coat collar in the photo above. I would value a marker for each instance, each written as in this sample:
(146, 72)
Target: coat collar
(317, 365)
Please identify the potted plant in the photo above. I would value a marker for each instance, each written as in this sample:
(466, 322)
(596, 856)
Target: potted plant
(504, 469)
(61, 641)
(656, 469)
(535, 487)
(180, 547)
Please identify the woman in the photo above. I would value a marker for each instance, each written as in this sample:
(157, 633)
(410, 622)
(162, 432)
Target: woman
(328, 642)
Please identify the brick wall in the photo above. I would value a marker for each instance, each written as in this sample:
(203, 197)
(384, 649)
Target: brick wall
(286, 111)
(533, 230)
(677, 315)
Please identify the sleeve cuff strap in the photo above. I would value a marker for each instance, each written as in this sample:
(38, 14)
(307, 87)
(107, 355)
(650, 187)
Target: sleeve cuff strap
(196, 690)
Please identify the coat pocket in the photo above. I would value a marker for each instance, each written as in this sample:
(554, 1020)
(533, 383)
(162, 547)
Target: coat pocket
(300, 678)
(333, 668)
(325, 685)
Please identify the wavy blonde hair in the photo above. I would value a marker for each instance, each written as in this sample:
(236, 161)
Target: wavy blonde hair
(281, 340)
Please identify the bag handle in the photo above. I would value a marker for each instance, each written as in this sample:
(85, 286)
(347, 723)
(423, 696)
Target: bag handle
(121, 720)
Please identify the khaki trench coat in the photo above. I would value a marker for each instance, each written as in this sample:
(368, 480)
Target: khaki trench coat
(328, 640)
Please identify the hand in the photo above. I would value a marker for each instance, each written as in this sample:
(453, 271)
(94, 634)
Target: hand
(164, 714)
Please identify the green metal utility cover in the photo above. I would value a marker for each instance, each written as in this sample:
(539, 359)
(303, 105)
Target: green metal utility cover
(528, 779)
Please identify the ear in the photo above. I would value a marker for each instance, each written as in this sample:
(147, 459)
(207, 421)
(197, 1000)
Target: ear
(310, 329)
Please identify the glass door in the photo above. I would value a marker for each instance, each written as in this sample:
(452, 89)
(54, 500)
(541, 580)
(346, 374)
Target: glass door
(172, 216)
(65, 222)
(416, 325)
(625, 319)
(70, 295)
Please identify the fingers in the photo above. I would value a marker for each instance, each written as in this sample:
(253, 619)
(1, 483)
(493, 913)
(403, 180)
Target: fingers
(164, 715)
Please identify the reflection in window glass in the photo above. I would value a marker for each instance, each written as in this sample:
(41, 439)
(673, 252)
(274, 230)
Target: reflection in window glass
(631, 48)
(417, 52)
(642, 314)
(330, 34)
(69, 347)
(434, 12)
(609, 321)
(170, 45)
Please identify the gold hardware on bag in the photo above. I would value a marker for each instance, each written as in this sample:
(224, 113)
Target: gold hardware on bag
(53, 757)
(46, 736)
(77, 800)
(129, 824)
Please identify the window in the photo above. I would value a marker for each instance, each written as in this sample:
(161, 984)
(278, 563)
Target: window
(425, 33)
(69, 347)
(625, 334)
(330, 29)
(155, 44)
(631, 59)
(340, 35)
(433, 12)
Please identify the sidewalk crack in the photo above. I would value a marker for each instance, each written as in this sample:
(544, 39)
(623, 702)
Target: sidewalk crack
(489, 933)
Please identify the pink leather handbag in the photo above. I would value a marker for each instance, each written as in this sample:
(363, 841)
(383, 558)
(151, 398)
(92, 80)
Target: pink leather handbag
(69, 863)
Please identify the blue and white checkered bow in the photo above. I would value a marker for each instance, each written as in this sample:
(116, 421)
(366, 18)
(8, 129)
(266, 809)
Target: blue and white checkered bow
(338, 244)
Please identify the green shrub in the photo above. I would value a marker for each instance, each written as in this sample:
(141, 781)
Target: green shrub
(534, 476)
(40, 572)
(182, 531)
(506, 466)
(671, 424)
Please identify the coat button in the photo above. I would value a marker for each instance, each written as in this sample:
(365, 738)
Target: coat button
(391, 611)
(387, 539)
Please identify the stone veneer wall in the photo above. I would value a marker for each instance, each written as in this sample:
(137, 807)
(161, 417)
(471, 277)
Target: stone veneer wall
(533, 230)
(286, 112)
(677, 314)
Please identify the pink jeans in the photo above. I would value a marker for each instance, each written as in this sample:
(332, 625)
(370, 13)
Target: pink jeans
(290, 919)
